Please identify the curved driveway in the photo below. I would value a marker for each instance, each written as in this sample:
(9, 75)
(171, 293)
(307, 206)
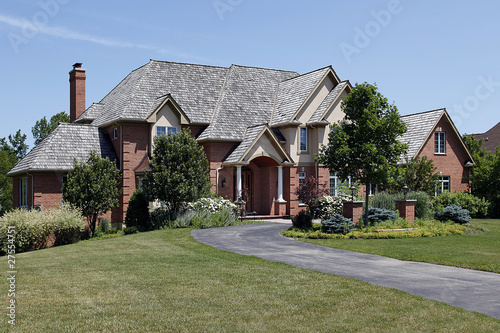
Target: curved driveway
(464, 288)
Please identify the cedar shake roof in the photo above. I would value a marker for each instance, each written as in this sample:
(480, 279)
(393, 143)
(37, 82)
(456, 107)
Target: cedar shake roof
(418, 128)
(293, 93)
(491, 139)
(65, 143)
(327, 102)
(247, 100)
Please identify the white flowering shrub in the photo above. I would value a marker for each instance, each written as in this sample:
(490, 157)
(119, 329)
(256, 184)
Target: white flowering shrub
(212, 205)
(327, 206)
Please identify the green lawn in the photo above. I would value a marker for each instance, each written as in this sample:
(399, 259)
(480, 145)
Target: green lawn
(479, 251)
(164, 281)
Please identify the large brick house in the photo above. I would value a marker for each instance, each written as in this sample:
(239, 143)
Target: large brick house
(260, 129)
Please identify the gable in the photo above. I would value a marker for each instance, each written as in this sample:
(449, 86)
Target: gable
(259, 141)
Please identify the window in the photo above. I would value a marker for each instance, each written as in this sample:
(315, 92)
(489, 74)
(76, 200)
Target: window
(302, 177)
(439, 143)
(23, 192)
(303, 138)
(160, 130)
(443, 184)
(115, 133)
(338, 186)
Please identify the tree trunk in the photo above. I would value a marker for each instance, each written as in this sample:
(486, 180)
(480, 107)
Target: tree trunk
(366, 206)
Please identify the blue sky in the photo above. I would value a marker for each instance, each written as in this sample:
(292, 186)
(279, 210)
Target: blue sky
(423, 55)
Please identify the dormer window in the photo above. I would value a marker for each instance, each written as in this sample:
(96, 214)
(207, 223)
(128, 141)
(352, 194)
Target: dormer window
(440, 143)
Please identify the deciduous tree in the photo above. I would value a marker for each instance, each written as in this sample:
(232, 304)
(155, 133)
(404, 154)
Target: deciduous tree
(93, 187)
(366, 143)
(43, 127)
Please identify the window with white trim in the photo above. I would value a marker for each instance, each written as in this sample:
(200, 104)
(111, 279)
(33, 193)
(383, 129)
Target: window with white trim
(440, 143)
(336, 184)
(303, 138)
(23, 192)
(442, 184)
(160, 130)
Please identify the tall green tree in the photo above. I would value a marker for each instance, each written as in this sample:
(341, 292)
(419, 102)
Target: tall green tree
(93, 187)
(179, 170)
(7, 161)
(366, 143)
(485, 176)
(43, 127)
(418, 173)
(18, 144)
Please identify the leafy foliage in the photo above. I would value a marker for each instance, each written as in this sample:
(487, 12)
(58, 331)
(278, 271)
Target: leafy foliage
(477, 207)
(377, 215)
(93, 187)
(309, 193)
(419, 174)
(212, 205)
(337, 224)
(179, 170)
(7, 161)
(138, 212)
(302, 220)
(33, 228)
(453, 213)
(365, 144)
(387, 200)
(43, 127)
(203, 219)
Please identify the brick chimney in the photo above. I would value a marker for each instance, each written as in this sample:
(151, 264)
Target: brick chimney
(76, 91)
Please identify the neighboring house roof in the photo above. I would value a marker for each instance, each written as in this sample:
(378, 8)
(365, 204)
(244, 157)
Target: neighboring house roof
(491, 138)
(65, 143)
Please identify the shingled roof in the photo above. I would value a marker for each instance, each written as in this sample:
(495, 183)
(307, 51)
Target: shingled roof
(67, 142)
(196, 88)
(491, 138)
(418, 129)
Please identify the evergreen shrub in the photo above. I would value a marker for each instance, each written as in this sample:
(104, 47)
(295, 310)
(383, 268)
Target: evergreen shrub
(302, 220)
(337, 224)
(453, 213)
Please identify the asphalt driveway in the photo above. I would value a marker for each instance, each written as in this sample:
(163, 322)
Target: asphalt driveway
(472, 290)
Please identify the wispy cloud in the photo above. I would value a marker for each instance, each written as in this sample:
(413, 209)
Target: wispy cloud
(30, 29)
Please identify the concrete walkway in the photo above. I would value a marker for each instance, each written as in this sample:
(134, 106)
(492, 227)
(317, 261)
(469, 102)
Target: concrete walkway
(472, 290)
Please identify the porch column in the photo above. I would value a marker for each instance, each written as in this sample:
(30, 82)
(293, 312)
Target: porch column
(280, 184)
(238, 182)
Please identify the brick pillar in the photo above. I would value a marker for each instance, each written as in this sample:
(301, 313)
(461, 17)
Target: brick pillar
(406, 209)
(353, 210)
(280, 208)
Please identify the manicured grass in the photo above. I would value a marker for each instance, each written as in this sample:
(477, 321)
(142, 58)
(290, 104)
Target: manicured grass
(164, 281)
(480, 250)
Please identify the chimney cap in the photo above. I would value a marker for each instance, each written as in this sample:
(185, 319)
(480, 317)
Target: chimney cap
(77, 65)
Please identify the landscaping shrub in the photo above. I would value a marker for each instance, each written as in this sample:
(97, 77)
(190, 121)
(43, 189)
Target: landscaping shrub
(376, 215)
(302, 220)
(161, 217)
(138, 212)
(387, 200)
(203, 219)
(477, 207)
(327, 206)
(130, 230)
(337, 224)
(212, 205)
(453, 213)
(33, 228)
